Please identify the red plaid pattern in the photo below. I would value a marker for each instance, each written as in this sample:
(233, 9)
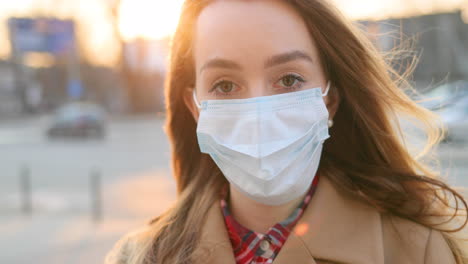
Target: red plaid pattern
(255, 248)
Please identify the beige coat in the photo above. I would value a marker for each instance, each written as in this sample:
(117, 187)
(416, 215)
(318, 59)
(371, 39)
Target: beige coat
(333, 229)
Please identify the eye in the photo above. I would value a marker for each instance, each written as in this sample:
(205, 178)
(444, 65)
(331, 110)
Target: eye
(223, 87)
(291, 81)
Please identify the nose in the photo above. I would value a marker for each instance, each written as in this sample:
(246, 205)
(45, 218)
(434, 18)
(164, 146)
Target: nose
(259, 89)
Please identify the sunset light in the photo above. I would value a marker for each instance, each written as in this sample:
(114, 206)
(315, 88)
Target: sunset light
(148, 19)
(156, 19)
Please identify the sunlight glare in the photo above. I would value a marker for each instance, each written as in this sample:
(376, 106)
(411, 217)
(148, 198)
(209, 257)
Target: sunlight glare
(152, 19)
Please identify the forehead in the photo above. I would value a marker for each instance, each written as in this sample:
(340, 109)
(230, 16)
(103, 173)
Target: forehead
(249, 31)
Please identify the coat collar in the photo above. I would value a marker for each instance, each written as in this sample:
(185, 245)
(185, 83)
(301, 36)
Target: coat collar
(333, 228)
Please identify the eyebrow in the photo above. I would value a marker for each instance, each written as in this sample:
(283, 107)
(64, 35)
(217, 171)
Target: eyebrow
(270, 62)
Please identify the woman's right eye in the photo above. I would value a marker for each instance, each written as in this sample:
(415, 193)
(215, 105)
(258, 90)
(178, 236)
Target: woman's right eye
(223, 88)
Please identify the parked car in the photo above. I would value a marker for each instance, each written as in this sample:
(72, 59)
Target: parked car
(78, 119)
(455, 119)
(444, 95)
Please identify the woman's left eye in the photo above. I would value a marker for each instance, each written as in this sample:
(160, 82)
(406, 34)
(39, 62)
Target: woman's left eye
(291, 81)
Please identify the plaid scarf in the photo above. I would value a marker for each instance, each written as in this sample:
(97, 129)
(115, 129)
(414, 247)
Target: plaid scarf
(255, 248)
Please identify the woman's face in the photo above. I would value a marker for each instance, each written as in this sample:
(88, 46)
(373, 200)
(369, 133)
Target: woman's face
(245, 49)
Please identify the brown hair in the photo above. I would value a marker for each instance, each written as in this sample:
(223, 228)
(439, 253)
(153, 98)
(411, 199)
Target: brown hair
(365, 156)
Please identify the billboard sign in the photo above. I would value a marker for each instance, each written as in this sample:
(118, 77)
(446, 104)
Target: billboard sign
(49, 35)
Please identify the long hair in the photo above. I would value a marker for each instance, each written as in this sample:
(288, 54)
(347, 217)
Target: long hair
(365, 156)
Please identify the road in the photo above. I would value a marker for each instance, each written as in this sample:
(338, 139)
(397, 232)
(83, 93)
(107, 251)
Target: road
(135, 180)
(133, 162)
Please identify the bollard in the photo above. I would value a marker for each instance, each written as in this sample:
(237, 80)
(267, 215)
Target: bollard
(25, 190)
(95, 187)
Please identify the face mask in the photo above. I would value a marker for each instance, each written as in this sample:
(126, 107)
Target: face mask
(267, 147)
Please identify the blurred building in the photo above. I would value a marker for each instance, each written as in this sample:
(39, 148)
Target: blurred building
(144, 65)
(440, 41)
(45, 70)
(8, 97)
(102, 85)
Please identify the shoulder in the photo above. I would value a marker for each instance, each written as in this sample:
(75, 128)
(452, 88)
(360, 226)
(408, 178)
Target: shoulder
(399, 239)
(405, 239)
(129, 245)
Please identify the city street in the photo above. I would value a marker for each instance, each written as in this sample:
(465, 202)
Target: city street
(135, 181)
(133, 164)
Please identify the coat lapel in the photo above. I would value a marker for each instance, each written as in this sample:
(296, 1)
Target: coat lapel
(215, 246)
(294, 251)
(333, 229)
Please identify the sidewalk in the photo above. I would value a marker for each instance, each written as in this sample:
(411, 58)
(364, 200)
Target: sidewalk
(69, 238)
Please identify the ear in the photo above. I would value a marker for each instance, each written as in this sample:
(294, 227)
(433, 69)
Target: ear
(188, 100)
(332, 101)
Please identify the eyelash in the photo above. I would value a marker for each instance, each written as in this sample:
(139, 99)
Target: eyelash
(215, 86)
(296, 77)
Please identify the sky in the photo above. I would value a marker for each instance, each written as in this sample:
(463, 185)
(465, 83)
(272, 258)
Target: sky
(155, 19)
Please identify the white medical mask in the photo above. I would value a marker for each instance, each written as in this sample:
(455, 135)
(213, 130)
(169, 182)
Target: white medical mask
(267, 147)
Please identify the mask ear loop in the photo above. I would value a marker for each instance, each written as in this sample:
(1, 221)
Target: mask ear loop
(327, 89)
(330, 121)
(195, 99)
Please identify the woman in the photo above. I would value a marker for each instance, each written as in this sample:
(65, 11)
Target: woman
(281, 118)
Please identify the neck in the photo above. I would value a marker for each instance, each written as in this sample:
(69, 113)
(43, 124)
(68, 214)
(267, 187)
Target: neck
(256, 216)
